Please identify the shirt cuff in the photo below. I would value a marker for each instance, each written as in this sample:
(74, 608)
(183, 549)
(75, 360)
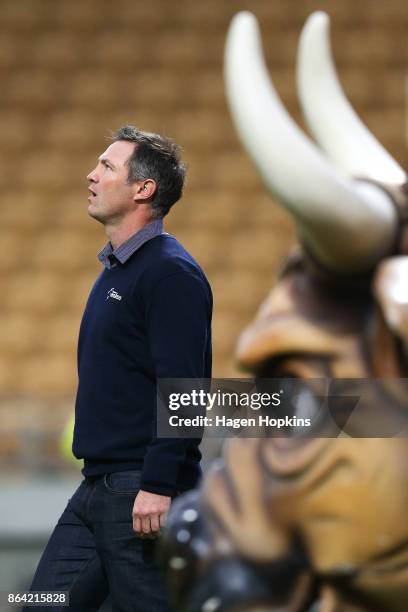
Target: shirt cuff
(159, 489)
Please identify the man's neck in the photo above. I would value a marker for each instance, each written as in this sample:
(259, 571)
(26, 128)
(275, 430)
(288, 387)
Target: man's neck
(118, 234)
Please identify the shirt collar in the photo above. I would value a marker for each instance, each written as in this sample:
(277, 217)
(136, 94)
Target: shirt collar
(109, 256)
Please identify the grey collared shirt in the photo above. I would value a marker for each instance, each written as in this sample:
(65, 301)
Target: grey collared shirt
(109, 256)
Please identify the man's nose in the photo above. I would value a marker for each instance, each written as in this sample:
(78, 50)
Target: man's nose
(92, 176)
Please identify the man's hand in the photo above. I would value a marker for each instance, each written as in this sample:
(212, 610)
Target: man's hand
(149, 513)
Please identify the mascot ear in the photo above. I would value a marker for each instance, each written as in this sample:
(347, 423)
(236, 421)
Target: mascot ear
(391, 291)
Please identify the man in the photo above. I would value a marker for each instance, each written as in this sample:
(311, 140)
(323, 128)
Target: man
(148, 316)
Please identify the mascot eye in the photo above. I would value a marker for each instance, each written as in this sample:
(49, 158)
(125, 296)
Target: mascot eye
(302, 400)
(306, 403)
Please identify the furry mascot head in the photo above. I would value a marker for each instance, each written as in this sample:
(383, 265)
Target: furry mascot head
(313, 524)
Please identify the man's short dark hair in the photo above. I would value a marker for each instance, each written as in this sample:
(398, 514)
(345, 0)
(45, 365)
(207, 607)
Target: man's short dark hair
(155, 157)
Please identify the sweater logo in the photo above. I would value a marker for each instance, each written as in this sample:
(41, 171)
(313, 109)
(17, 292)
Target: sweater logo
(112, 293)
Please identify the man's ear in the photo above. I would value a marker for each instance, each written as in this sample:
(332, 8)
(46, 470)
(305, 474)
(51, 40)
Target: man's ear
(144, 190)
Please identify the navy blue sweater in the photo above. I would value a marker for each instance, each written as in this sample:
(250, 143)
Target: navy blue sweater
(145, 319)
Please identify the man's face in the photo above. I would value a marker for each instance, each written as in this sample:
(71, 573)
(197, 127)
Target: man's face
(111, 197)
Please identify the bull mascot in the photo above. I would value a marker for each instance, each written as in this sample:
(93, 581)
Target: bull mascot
(314, 524)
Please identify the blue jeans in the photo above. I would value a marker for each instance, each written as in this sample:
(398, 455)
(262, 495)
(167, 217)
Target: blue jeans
(94, 551)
